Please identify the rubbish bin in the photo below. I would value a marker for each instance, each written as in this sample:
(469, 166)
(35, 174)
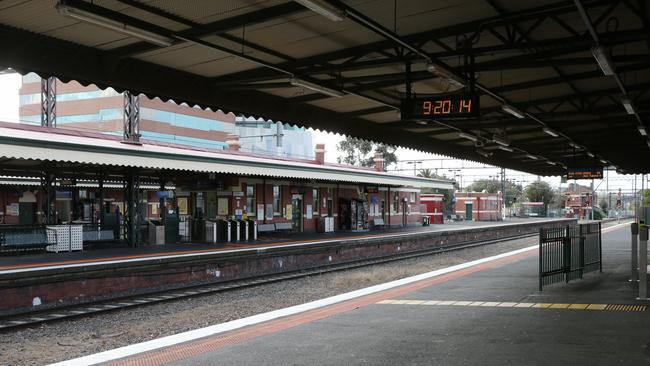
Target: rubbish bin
(211, 231)
(252, 229)
(224, 231)
(426, 220)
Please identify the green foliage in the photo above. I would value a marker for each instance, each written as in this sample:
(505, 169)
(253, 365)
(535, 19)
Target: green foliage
(603, 204)
(645, 194)
(360, 152)
(539, 192)
(513, 191)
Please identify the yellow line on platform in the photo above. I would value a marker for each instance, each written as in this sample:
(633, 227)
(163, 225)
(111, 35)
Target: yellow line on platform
(538, 305)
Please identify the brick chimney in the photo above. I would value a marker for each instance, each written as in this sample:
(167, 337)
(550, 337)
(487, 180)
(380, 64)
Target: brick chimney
(233, 142)
(379, 162)
(320, 153)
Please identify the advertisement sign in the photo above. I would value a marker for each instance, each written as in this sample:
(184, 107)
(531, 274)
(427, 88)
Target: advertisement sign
(269, 211)
(260, 211)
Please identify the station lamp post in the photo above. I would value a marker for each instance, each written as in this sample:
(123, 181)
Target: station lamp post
(456, 173)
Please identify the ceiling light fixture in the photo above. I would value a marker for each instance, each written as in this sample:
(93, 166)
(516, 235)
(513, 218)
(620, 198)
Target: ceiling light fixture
(324, 8)
(550, 132)
(316, 87)
(505, 148)
(90, 17)
(629, 107)
(512, 110)
(591, 155)
(642, 130)
(604, 59)
(468, 136)
(422, 122)
(648, 142)
(531, 156)
(551, 162)
(604, 161)
(500, 140)
(446, 74)
(484, 153)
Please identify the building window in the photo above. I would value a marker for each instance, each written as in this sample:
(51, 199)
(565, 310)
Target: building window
(316, 202)
(396, 202)
(250, 199)
(277, 201)
(412, 197)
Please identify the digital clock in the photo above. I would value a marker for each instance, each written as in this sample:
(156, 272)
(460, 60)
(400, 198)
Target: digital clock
(585, 173)
(441, 107)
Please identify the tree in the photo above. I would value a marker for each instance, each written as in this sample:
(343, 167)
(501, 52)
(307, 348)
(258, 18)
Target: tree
(448, 193)
(603, 204)
(361, 152)
(512, 194)
(539, 192)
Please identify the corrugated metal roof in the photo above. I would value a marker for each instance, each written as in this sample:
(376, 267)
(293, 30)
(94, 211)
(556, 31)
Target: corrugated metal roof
(43, 145)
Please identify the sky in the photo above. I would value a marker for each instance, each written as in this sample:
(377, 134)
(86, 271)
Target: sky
(469, 171)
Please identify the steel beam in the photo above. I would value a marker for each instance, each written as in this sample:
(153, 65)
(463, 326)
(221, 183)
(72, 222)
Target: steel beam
(131, 118)
(48, 102)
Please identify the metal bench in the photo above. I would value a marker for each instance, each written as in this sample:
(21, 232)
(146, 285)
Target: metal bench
(379, 223)
(283, 226)
(22, 239)
(265, 228)
(98, 235)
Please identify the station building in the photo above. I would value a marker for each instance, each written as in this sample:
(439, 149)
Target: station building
(479, 206)
(55, 175)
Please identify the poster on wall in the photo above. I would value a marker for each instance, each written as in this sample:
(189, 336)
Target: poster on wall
(269, 211)
(310, 212)
(260, 211)
(13, 209)
(289, 212)
(222, 206)
(182, 205)
(120, 206)
(154, 209)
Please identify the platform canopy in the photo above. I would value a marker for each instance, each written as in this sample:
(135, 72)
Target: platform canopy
(540, 67)
(27, 150)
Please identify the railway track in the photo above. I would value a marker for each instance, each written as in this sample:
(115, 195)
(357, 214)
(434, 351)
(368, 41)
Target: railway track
(73, 311)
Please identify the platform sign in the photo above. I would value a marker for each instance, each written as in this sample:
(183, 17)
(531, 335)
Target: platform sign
(441, 107)
(585, 173)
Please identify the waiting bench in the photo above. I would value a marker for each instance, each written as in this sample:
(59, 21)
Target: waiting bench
(272, 228)
(98, 235)
(22, 239)
(379, 223)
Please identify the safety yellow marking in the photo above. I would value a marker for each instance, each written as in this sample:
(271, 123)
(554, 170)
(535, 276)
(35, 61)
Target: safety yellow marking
(539, 305)
(490, 304)
(524, 305)
(507, 304)
(596, 307)
(462, 303)
(432, 302)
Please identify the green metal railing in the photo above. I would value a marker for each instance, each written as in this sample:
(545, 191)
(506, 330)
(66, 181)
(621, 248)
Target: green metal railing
(567, 253)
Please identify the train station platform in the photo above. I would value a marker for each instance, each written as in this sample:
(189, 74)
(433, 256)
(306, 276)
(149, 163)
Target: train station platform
(485, 312)
(51, 281)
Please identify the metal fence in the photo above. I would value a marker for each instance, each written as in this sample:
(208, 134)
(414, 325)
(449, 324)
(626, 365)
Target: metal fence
(567, 253)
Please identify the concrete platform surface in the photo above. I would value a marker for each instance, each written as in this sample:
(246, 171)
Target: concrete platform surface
(489, 313)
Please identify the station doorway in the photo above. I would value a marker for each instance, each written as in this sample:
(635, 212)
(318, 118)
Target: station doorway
(296, 212)
(468, 211)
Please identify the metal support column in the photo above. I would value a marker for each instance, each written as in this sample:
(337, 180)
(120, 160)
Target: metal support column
(162, 209)
(635, 252)
(643, 263)
(48, 102)
(47, 184)
(131, 118)
(132, 207)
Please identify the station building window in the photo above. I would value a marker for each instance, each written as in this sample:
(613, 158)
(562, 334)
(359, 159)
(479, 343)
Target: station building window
(250, 199)
(277, 201)
(315, 201)
(395, 206)
(412, 197)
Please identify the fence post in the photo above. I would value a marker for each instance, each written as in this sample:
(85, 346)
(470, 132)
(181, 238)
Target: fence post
(635, 261)
(643, 262)
(581, 250)
(600, 247)
(541, 240)
(566, 257)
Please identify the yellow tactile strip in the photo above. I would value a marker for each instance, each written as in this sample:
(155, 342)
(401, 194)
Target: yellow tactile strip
(539, 305)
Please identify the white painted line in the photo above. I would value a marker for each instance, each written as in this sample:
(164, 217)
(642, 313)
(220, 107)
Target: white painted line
(154, 344)
(244, 250)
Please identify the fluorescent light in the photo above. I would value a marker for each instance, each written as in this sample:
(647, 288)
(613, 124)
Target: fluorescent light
(446, 74)
(575, 146)
(604, 161)
(500, 140)
(629, 108)
(512, 110)
(550, 132)
(531, 156)
(550, 162)
(604, 59)
(648, 142)
(114, 25)
(422, 122)
(642, 130)
(324, 8)
(316, 87)
(467, 136)
(591, 155)
(505, 148)
(484, 153)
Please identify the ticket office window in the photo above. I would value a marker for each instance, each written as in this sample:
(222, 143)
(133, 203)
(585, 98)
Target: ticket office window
(277, 201)
(250, 199)
(315, 201)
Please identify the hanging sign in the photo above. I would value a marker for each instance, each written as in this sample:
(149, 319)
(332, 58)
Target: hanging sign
(585, 173)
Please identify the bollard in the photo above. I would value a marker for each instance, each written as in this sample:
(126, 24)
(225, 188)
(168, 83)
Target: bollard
(635, 252)
(643, 262)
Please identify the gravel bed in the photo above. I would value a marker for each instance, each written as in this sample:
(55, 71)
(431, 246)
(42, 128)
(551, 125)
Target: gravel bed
(68, 339)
